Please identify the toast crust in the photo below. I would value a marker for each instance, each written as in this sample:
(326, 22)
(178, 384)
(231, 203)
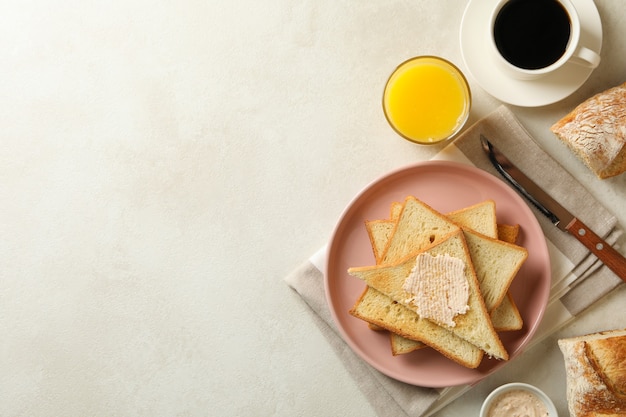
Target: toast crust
(475, 326)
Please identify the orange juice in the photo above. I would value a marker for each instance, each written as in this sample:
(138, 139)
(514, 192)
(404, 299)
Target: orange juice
(427, 100)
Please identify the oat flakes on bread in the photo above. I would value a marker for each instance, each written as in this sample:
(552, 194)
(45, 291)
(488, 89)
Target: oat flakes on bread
(596, 132)
(595, 366)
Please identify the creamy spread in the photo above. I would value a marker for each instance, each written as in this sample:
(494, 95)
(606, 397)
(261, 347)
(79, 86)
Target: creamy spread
(517, 403)
(438, 288)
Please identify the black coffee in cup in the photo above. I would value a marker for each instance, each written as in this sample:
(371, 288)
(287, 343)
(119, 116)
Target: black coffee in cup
(532, 34)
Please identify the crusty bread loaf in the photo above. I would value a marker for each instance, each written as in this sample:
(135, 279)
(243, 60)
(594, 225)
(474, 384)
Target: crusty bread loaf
(595, 366)
(474, 325)
(596, 131)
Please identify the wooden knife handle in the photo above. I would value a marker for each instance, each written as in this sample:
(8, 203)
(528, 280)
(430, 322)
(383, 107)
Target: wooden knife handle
(605, 252)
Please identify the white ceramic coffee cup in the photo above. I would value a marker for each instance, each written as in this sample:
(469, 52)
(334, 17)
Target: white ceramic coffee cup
(575, 52)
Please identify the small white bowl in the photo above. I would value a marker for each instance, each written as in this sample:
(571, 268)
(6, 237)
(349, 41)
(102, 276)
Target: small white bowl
(495, 394)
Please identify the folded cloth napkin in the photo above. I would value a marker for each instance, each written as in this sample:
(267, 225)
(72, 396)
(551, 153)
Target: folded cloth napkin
(578, 279)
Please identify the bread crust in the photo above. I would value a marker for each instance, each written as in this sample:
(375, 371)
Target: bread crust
(596, 132)
(505, 317)
(595, 367)
(608, 358)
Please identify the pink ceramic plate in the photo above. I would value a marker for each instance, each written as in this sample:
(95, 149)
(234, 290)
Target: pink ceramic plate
(445, 186)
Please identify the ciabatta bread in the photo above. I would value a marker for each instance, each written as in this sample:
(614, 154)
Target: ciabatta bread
(595, 366)
(596, 131)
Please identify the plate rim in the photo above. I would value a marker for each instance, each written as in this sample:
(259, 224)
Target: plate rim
(343, 218)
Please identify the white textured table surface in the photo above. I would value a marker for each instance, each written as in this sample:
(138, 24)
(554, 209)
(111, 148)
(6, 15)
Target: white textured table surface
(165, 164)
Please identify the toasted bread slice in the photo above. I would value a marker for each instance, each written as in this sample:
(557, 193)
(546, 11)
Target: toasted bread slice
(506, 317)
(474, 326)
(508, 232)
(496, 264)
(411, 217)
(396, 209)
(404, 321)
(379, 232)
(479, 217)
(401, 345)
(418, 226)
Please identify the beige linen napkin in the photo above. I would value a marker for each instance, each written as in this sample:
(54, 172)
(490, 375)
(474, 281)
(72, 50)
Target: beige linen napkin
(578, 279)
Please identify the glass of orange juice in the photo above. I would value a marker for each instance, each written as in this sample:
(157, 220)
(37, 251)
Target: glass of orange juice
(427, 100)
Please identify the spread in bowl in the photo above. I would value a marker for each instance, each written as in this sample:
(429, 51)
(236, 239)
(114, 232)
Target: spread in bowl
(520, 400)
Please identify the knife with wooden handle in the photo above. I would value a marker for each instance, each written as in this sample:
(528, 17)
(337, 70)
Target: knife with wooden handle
(558, 215)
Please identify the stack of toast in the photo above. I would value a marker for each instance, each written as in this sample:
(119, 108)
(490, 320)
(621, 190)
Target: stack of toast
(491, 258)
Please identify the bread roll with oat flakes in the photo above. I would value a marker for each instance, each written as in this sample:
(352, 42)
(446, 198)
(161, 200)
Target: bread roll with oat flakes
(596, 131)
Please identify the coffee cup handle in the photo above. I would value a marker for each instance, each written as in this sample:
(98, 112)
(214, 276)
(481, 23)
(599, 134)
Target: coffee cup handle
(586, 57)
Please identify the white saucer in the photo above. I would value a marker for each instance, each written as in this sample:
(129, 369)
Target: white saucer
(526, 93)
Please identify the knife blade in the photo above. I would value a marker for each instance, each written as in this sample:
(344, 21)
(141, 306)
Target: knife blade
(558, 215)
